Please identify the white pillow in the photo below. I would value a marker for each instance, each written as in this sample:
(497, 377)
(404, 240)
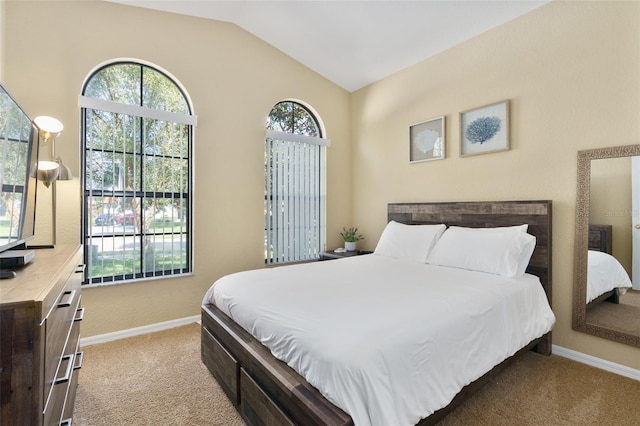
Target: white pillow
(516, 228)
(409, 242)
(497, 251)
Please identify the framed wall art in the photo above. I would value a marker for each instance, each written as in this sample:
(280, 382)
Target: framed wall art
(427, 140)
(484, 129)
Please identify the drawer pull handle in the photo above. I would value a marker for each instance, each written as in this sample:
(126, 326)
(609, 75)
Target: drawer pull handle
(67, 297)
(65, 422)
(79, 360)
(67, 374)
(80, 269)
(79, 315)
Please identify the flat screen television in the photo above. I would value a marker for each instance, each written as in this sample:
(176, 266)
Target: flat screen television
(18, 155)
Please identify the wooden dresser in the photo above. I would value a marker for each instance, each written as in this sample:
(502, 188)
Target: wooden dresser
(40, 314)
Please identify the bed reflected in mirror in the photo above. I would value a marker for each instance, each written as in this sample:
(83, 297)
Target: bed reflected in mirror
(606, 300)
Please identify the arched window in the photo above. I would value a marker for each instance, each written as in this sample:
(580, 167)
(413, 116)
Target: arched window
(137, 130)
(294, 185)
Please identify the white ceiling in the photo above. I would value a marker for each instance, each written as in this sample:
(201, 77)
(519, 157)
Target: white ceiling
(354, 43)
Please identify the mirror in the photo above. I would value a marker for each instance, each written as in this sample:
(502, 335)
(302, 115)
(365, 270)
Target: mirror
(606, 302)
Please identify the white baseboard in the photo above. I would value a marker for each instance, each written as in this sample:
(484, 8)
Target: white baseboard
(108, 337)
(600, 363)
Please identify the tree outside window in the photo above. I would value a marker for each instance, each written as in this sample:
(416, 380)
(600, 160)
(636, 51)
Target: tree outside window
(136, 140)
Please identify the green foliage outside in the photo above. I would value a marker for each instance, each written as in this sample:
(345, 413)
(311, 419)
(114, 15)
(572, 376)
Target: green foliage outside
(137, 168)
(114, 263)
(5, 224)
(292, 117)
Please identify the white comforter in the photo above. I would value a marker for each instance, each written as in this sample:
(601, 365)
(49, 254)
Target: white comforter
(605, 273)
(388, 341)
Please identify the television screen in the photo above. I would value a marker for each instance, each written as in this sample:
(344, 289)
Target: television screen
(18, 154)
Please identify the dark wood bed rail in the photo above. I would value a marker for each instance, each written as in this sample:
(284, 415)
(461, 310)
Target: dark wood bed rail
(242, 352)
(266, 391)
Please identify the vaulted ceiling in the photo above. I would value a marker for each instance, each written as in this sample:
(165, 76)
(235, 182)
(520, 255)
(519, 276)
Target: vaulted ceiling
(354, 43)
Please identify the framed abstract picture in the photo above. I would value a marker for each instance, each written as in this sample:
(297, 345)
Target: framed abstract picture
(484, 129)
(427, 140)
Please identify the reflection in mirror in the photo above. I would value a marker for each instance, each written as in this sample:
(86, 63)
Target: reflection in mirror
(17, 187)
(606, 302)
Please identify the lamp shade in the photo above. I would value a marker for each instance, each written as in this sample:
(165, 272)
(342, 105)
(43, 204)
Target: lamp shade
(48, 127)
(47, 172)
(64, 172)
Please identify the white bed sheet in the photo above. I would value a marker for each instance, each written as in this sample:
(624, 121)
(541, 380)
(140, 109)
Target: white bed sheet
(386, 340)
(605, 273)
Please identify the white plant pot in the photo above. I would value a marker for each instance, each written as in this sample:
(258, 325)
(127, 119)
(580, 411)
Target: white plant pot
(350, 245)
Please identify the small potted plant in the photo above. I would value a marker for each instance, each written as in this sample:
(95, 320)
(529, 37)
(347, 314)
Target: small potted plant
(350, 237)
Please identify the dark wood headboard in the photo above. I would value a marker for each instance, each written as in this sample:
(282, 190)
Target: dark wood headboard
(484, 214)
(600, 238)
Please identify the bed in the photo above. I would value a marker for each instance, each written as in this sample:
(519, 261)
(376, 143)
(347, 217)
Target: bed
(607, 279)
(265, 390)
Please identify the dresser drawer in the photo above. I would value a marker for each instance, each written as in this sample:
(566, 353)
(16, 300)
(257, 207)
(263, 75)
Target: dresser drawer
(62, 333)
(59, 404)
(67, 412)
(58, 327)
(55, 403)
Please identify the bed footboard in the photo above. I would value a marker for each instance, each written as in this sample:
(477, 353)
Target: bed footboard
(266, 391)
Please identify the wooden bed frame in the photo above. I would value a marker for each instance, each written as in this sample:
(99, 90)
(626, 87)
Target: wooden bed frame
(601, 239)
(266, 391)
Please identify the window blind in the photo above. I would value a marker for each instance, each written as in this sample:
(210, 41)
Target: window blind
(294, 197)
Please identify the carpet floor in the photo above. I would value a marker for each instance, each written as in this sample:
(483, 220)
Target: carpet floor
(152, 379)
(623, 317)
(158, 378)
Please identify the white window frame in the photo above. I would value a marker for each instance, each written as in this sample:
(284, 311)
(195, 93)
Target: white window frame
(289, 235)
(138, 112)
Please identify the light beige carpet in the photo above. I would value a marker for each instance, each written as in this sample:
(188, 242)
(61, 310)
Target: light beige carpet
(540, 390)
(153, 379)
(631, 297)
(624, 317)
(158, 379)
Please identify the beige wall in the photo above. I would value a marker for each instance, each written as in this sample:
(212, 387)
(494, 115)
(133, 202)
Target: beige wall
(570, 69)
(2, 40)
(233, 79)
(572, 73)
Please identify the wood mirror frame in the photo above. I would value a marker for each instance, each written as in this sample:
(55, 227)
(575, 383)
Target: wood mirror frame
(582, 243)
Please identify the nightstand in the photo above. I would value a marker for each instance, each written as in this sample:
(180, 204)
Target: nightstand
(329, 255)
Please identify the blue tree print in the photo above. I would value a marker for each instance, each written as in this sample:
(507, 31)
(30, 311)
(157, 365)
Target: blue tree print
(482, 129)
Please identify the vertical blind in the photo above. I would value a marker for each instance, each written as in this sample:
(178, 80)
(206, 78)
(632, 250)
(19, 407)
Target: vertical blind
(294, 197)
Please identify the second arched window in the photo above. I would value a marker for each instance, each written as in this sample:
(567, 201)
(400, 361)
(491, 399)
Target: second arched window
(295, 195)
